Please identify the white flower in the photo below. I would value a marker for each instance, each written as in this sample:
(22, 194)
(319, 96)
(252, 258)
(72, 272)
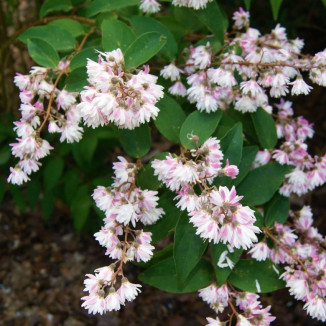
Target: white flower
(150, 6)
(128, 291)
(300, 87)
(171, 72)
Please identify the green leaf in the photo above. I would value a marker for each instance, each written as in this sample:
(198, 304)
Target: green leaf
(59, 38)
(146, 178)
(33, 192)
(2, 188)
(217, 250)
(163, 276)
(5, 155)
(169, 220)
(71, 184)
(144, 48)
(72, 26)
(226, 123)
(257, 277)
(144, 24)
(186, 20)
(170, 118)
(163, 254)
(275, 4)
(47, 205)
(136, 142)
(42, 53)
(324, 3)
(248, 156)
(100, 6)
(54, 5)
(77, 80)
(200, 124)
(277, 210)
(116, 34)
(80, 207)
(188, 247)
(213, 41)
(247, 4)
(231, 144)
(87, 147)
(80, 59)
(52, 172)
(212, 18)
(265, 128)
(17, 194)
(259, 186)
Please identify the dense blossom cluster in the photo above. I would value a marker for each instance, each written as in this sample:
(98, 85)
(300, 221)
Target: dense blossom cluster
(254, 67)
(42, 102)
(215, 212)
(251, 311)
(117, 96)
(301, 248)
(124, 206)
(153, 6)
(309, 172)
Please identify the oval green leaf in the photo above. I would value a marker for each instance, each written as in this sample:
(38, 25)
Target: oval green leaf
(144, 24)
(277, 210)
(265, 128)
(163, 276)
(170, 118)
(116, 34)
(259, 186)
(42, 53)
(136, 142)
(54, 5)
(144, 48)
(52, 172)
(59, 38)
(188, 248)
(257, 277)
(200, 124)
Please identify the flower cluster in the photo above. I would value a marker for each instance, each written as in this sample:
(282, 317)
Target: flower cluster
(42, 102)
(117, 96)
(216, 213)
(309, 172)
(251, 311)
(302, 249)
(124, 205)
(253, 67)
(153, 6)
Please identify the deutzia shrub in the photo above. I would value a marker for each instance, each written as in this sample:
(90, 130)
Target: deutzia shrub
(228, 152)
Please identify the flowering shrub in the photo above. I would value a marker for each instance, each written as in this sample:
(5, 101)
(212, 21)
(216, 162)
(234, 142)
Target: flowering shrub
(224, 192)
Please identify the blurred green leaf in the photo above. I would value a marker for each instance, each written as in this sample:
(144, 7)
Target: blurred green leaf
(265, 128)
(144, 48)
(136, 142)
(116, 34)
(42, 53)
(213, 19)
(275, 4)
(98, 6)
(77, 80)
(72, 26)
(47, 205)
(260, 184)
(54, 5)
(71, 184)
(163, 276)
(222, 273)
(170, 118)
(188, 248)
(2, 188)
(52, 172)
(80, 207)
(277, 210)
(200, 124)
(17, 194)
(59, 38)
(144, 24)
(33, 192)
(256, 277)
